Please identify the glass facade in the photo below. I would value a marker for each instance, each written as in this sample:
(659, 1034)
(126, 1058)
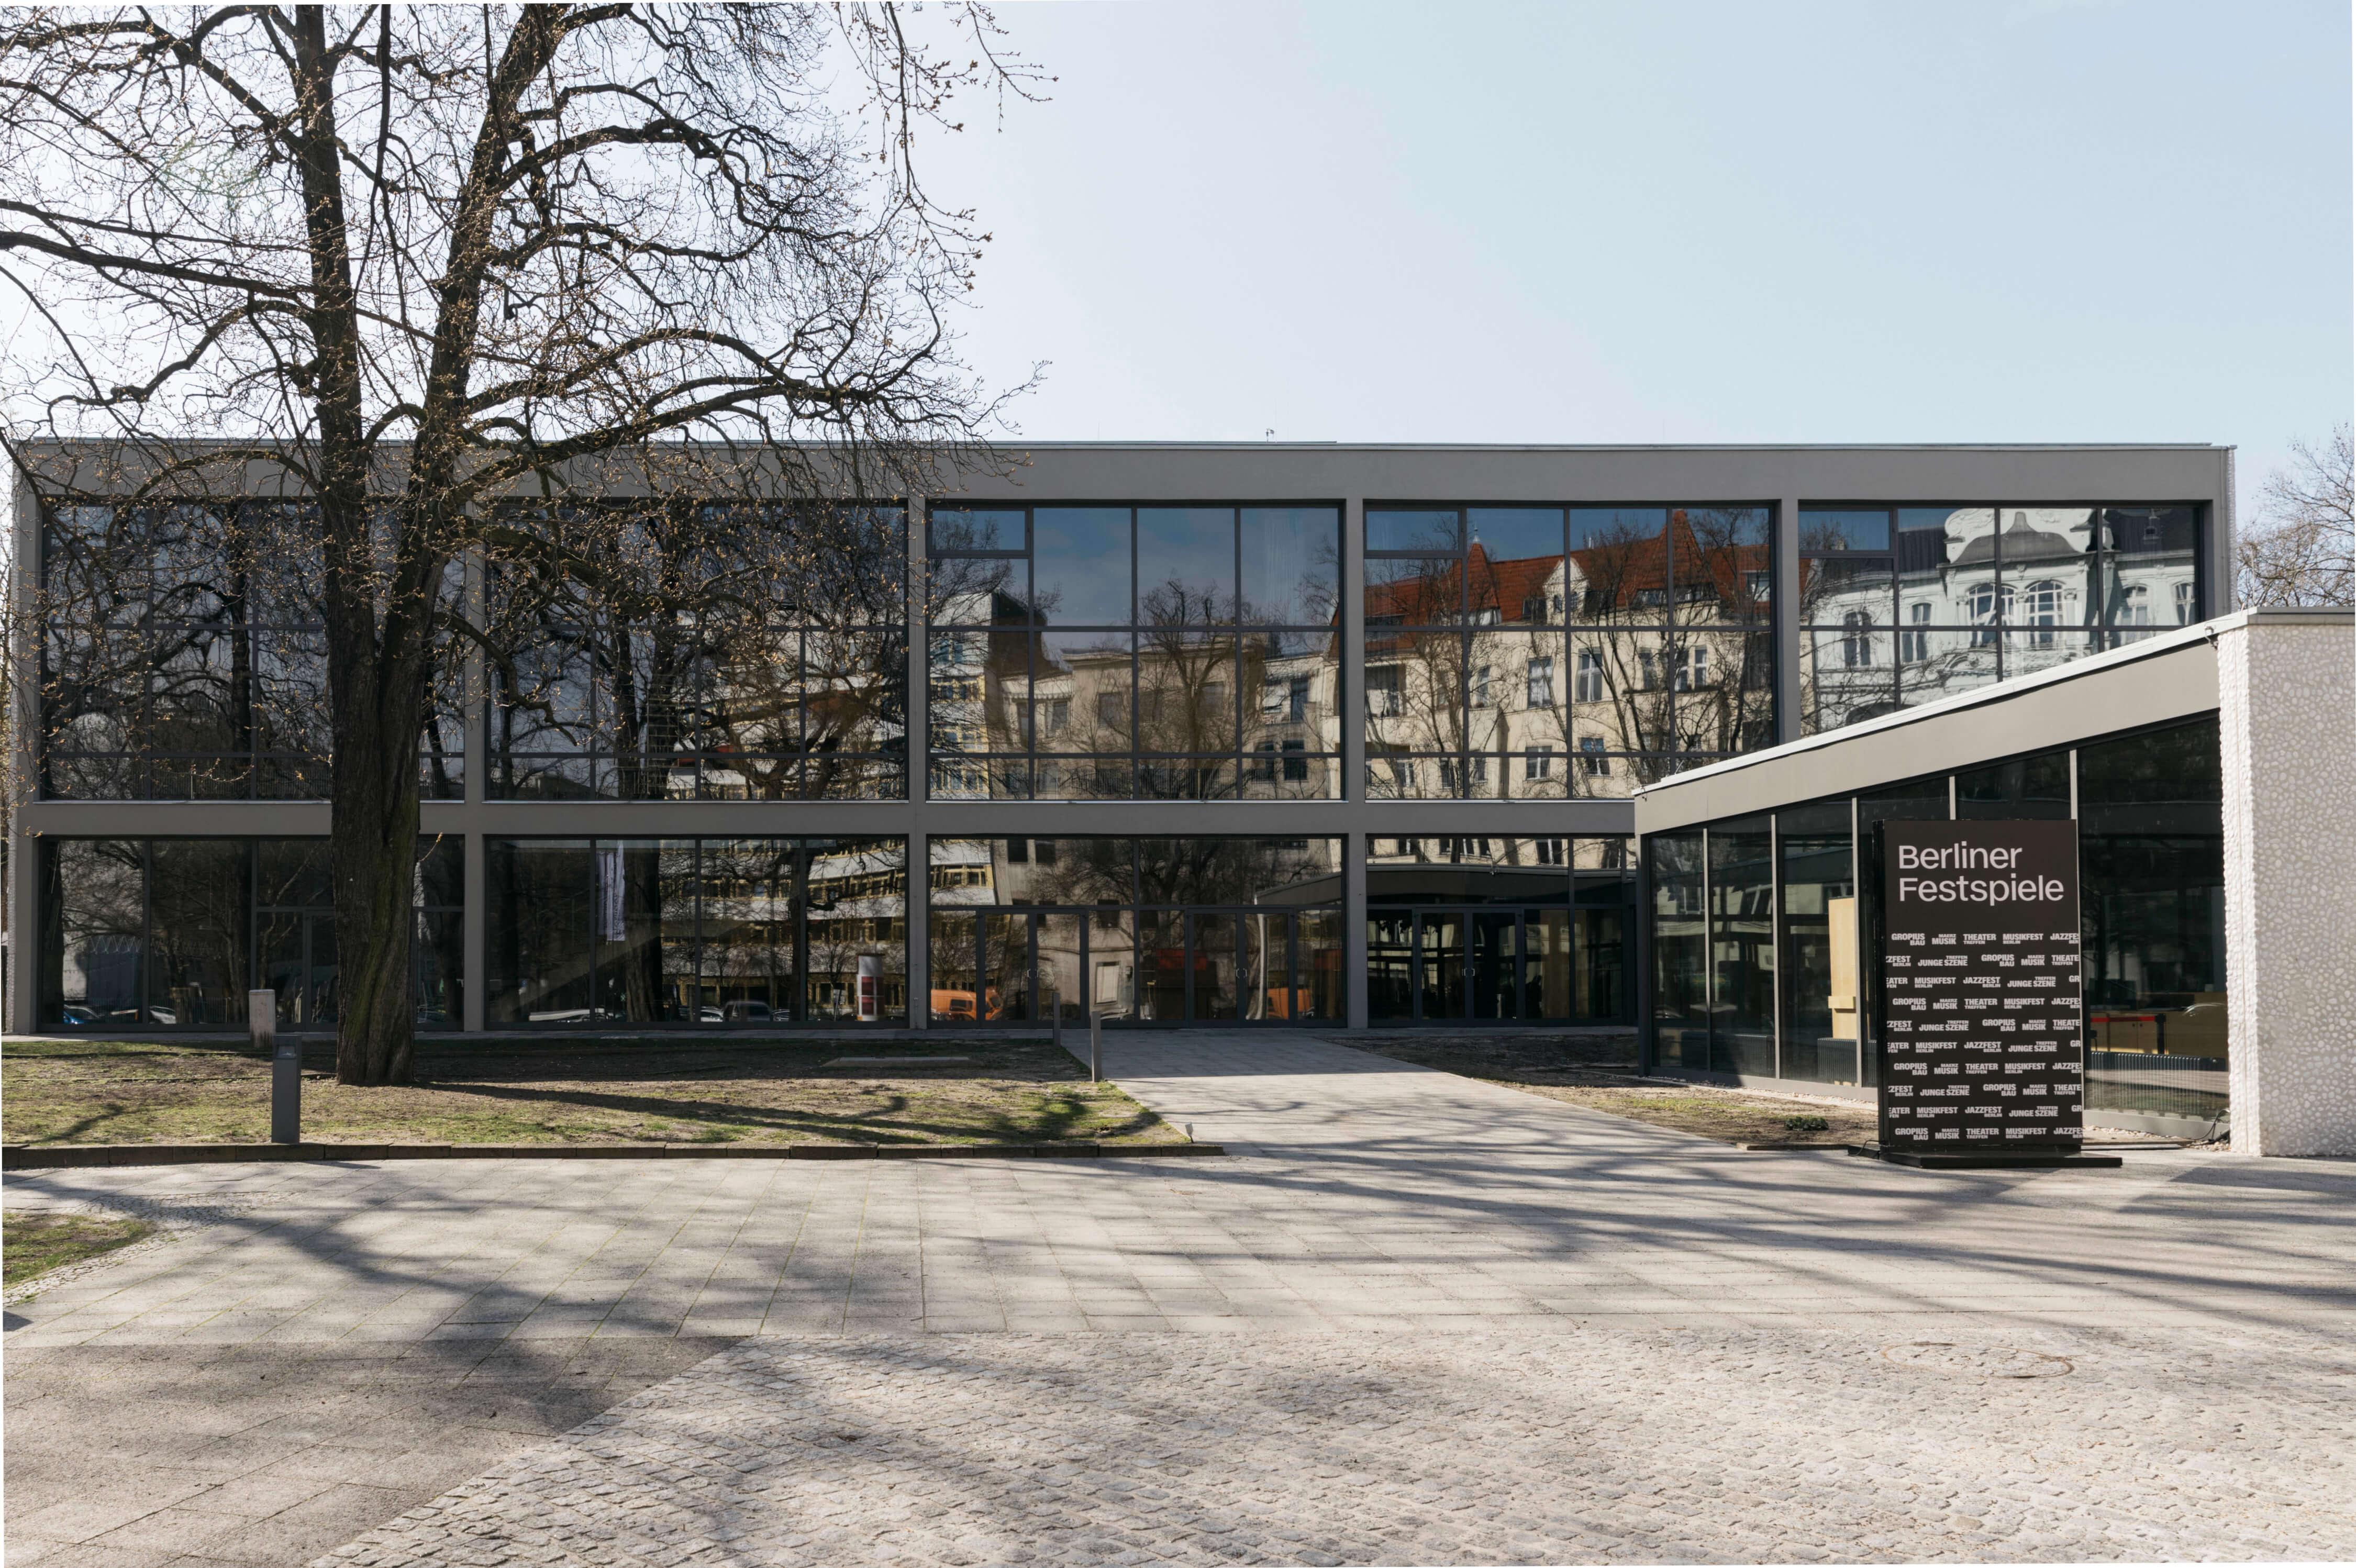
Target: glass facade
(696, 932)
(2150, 810)
(1547, 652)
(715, 653)
(182, 658)
(690, 651)
(167, 933)
(1902, 606)
(1466, 930)
(1133, 652)
(1145, 930)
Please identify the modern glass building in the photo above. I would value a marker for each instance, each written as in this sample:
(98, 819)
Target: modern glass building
(1276, 735)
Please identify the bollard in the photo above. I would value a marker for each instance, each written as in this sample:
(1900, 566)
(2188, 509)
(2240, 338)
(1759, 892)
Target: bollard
(1095, 1047)
(285, 1066)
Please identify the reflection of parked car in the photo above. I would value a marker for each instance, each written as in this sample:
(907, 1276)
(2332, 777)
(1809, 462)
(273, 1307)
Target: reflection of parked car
(162, 1015)
(744, 1013)
(74, 1017)
(957, 1005)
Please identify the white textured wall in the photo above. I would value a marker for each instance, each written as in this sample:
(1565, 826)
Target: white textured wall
(2286, 697)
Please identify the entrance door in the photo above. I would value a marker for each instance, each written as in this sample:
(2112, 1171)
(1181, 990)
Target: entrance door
(1494, 971)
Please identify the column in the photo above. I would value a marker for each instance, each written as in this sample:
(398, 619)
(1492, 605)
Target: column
(22, 957)
(1349, 711)
(2285, 692)
(1787, 619)
(918, 965)
(474, 925)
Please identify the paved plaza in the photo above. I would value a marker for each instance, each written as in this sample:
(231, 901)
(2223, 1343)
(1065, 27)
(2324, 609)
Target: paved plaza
(1411, 1318)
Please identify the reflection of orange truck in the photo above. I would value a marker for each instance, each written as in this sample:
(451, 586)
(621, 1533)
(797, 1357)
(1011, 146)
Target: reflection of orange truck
(957, 1005)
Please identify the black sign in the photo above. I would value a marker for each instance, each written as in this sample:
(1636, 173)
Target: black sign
(1980, 990)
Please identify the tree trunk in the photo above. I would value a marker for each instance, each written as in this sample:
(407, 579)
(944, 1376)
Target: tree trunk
(374, 850)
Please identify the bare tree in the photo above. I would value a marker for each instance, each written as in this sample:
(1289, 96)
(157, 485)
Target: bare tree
(2301, 549)
(403, 263)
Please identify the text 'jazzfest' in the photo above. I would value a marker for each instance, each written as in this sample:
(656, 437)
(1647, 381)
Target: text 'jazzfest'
(1980, 997)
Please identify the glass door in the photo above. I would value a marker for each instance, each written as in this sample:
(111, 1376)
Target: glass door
(1439, 965)
(1495, 969)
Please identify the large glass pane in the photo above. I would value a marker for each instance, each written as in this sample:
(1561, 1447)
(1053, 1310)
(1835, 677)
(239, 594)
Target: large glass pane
(1549, 974)
(2151, 848)
(1291, 565)
(1601, 965)
(1680, 951)
(856, 931)
(1187, 692)
(1113, 987)
(1415, 705)
(1724, 564)
(748, 896)
(1080, 565)
(956, 529)
(1427, 591)
(2037, 787)
(1516, 573)
(1742, 948)
(1618, 567)
(955, 999)
(1185, 566)
(1006, 964)
(439, 958)
(1846, 677)
(1317, 967)
(1063, 979)
(1819, 916)
(1430, 532)
(1215, 966)
(2041, 543)
(197, 968)
(1830, 529)
(1847, 592)
(96, 893)
(2151, 577)
(543, 910)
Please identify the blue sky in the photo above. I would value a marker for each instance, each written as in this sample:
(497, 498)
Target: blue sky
(2009, 220)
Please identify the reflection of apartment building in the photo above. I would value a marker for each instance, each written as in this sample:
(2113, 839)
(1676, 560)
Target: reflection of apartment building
(1314, 734)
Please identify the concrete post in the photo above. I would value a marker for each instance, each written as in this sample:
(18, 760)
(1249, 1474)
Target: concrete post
(2286, 692)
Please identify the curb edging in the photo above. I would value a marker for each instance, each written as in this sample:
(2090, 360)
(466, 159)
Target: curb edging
(89, 1156)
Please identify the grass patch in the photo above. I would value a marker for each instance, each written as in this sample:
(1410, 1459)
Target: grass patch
(32, 1245)
(568, 1090)
(1586, 1072)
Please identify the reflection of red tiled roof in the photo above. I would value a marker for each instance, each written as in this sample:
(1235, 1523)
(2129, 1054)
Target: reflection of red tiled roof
(1612, 576)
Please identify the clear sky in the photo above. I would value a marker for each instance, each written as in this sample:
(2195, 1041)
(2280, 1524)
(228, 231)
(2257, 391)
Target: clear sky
(1650, 221)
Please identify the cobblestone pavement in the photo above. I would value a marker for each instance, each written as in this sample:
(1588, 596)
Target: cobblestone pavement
(1620, 1444)
(1540, 1260)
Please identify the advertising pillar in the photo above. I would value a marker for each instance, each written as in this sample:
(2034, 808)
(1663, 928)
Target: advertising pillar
(1981, 998)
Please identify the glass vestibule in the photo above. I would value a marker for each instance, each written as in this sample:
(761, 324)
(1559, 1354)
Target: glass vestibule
(1498, 930)
(1151, 966)
(2151, 822)
(1148, 930)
